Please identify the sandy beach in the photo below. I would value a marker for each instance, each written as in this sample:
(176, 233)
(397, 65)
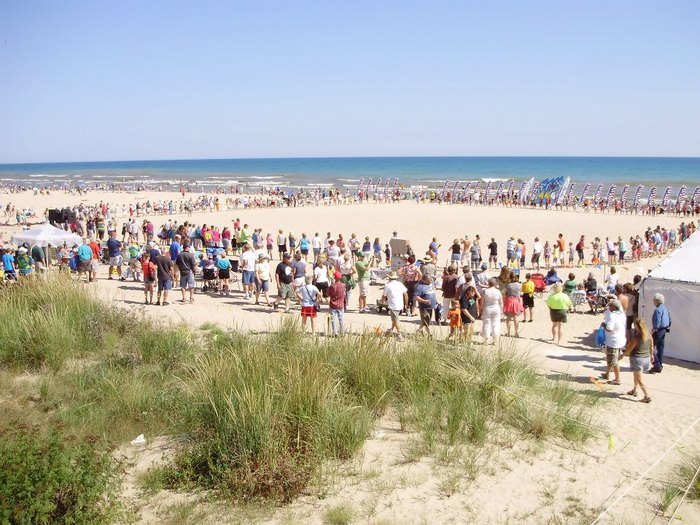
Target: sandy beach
(638, 445)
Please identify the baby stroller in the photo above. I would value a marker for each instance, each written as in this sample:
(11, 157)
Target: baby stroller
(540, 284)
(210, 279)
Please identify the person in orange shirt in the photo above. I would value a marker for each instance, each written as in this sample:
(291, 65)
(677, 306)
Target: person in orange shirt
(454, 316)
(96, 256)
(149, 276)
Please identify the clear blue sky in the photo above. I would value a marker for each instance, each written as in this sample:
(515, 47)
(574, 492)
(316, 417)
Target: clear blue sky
(120, 80)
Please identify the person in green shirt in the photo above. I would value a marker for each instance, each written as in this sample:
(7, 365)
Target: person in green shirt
(362, 268)
(570, 284)
(559, 304)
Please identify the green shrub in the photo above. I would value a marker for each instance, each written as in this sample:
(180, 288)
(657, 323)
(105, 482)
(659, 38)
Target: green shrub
(52, 478)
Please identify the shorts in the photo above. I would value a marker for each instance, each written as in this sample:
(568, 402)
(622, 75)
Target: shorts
(558, 316)
(85, 266)
(305, 252)
(493, 258)
(117, 260)
(308, 311)
(94, 265)
(640, 364)
(612, 355)
(363, 287)
(466, 319)
(224, 273)
(282, 248)
(187, 281)
(262, 286)
(248, 277)
(286, 290)
(528, 301)
(11, 275)
(299, 281)
(535, 258)
(425, 315)
(394, 314)
(629, 322)
(165, 285)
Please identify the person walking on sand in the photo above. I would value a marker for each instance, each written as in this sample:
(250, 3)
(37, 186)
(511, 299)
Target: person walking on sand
(640, 349)
(395, 296)
(425, 297)
(615, 339)
(559, 305)
(308, 296)
(491, 312)
(336, 304)
(362, 270)
(164, 265)
(284, 277)
(186, 263)
(454, 317)
(660, 326)
(528, 289)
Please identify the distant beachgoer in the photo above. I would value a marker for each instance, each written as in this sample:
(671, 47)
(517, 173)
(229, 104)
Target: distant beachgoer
(660, 326)
(512, 304)
(615, 339)
(559, 305)
(640, 349)
(491, 312)
(528, 290)
(186, 263)
(262, 278)
(336, 304)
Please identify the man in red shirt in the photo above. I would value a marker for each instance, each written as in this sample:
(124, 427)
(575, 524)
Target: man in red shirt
(96, 256)
(336, 294)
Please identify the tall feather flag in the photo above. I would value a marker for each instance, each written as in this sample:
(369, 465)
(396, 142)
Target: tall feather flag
(651, 199)
(477, 186)
(535, 190)
(611, 195)
(444, 189)
(598, 192)
(637, 195)
(510, 187)
(499, 191)
(696, 196)
(623, 195)
(584, 193)
(570, 197)
(563, 192)
(542, 189)
(369, 184)
(359, 186)
(521, 193)
(666, 199)
(396, 183)
(454, 191)
(386, 186)
(486, 192)
(681, 195)
(378, 183)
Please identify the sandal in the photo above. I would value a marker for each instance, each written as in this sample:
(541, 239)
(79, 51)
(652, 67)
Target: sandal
(646, 400)
(613, 382)
(632, 393)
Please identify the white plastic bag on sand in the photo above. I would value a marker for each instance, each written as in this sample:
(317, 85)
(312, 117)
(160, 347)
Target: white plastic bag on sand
(139, 440)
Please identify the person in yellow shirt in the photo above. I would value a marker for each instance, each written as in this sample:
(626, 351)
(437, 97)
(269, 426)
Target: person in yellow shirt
(528, 291)
(559, 304)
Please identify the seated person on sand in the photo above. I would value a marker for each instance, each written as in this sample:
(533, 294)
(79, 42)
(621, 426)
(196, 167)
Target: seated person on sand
(551, 277)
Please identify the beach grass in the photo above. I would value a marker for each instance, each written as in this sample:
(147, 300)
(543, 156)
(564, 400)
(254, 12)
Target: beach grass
(259, 416)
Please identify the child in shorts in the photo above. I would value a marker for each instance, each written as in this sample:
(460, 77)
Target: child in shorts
(454, 316)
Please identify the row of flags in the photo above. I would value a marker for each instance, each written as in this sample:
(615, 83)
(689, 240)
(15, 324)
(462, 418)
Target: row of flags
(560, 190)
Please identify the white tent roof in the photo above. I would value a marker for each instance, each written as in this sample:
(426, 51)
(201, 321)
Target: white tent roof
(682, 264)
(44, 235)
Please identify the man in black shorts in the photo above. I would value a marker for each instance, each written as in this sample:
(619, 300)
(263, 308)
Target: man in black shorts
(493, 253)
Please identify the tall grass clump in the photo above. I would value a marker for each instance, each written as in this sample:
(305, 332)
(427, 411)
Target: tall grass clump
(47, 476)
(685, 477)
(264, 416)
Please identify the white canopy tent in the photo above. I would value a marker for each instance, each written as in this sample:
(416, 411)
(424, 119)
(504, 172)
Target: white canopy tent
(45, 235)
(677, 277)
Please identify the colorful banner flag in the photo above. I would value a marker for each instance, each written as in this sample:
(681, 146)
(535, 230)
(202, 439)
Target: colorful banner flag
(563, 191)
(454, 191)
(571, 197)
(522, 192)
(444, 189)
(359, 186)
(623, 195)
(369, 184)
(598, 192)
(696, 196)
(499, 190)
(651, 199)
(681, 195)
(510, 187)
(377, 184)
(611, 195)
(584, 193)
(666, 200)
(396, 183)
(637, 195)
(386, 186)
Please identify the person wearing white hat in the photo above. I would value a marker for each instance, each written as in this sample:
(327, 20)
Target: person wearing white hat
(615, 325)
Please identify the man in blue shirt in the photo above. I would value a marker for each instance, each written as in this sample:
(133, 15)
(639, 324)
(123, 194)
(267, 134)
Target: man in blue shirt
(175, 249)
(425, 297)
(660, 324)
(114, 249)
